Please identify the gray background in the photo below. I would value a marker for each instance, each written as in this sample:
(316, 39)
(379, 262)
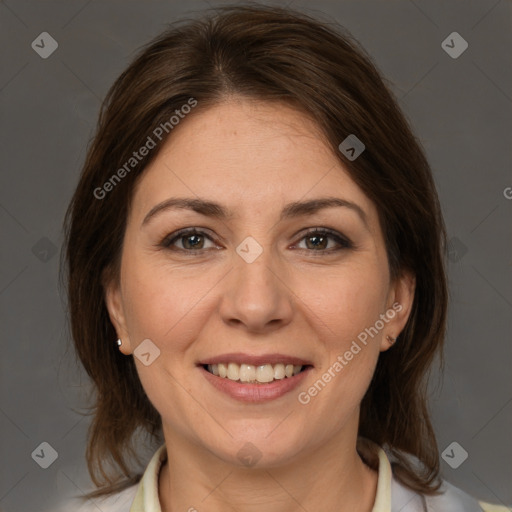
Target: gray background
(460, 109)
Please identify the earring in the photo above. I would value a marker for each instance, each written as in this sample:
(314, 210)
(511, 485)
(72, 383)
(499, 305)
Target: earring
(119, 342)
(390, 339)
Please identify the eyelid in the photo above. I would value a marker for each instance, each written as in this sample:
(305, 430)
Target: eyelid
(169, 239)
(343, 241)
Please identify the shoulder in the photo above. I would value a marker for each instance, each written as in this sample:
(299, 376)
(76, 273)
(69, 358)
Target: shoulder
(139, 496)
(118, 502)
(451, 499)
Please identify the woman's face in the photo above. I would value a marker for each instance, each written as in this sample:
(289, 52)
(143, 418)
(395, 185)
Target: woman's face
(254, 290)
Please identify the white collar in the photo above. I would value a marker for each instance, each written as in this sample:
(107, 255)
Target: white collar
(146, 498)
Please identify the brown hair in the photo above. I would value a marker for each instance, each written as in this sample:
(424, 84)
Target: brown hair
(271, 54)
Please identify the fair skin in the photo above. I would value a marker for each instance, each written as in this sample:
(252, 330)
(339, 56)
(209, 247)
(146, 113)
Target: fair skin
(253, 158)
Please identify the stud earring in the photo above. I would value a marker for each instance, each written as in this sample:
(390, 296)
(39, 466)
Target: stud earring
(119, 342)
(390, 339)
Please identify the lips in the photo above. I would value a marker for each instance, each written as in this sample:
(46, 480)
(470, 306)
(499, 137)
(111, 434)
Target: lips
(255, 378)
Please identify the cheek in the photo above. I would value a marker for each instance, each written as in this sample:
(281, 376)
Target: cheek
(153, 302)
(165, 306)
(166, 303)
(350, 306)
(348, 302)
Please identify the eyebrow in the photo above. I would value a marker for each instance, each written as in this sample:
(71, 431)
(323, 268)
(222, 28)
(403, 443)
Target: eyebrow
(291, 210)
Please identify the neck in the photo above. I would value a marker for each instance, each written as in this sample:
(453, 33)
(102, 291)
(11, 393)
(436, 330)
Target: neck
(331, 478)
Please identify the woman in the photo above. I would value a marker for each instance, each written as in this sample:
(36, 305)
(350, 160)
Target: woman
(256, 274)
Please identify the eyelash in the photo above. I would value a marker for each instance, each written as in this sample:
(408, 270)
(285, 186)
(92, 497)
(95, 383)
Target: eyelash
(344, 242)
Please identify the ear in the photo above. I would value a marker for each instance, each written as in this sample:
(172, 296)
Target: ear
(399, 306)
(114, 303)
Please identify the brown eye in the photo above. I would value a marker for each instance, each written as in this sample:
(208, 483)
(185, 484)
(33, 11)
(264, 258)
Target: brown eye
(318, 240)
(190, 240)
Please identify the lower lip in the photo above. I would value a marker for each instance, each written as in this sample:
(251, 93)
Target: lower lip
(255, 393)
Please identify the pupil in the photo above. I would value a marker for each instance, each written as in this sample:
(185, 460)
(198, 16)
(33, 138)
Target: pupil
(317, 238)
(192, 237)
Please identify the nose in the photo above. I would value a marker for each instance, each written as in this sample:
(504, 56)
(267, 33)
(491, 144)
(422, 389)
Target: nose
(256, 295)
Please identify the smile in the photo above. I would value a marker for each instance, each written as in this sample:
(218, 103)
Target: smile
(254, 378)
(252, 374)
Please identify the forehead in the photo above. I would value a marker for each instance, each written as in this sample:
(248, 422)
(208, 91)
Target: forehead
(251, 156)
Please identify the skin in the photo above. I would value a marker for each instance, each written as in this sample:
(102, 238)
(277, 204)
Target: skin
(253, 158)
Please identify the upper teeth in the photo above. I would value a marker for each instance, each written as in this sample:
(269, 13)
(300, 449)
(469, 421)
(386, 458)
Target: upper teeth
(250, 373)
